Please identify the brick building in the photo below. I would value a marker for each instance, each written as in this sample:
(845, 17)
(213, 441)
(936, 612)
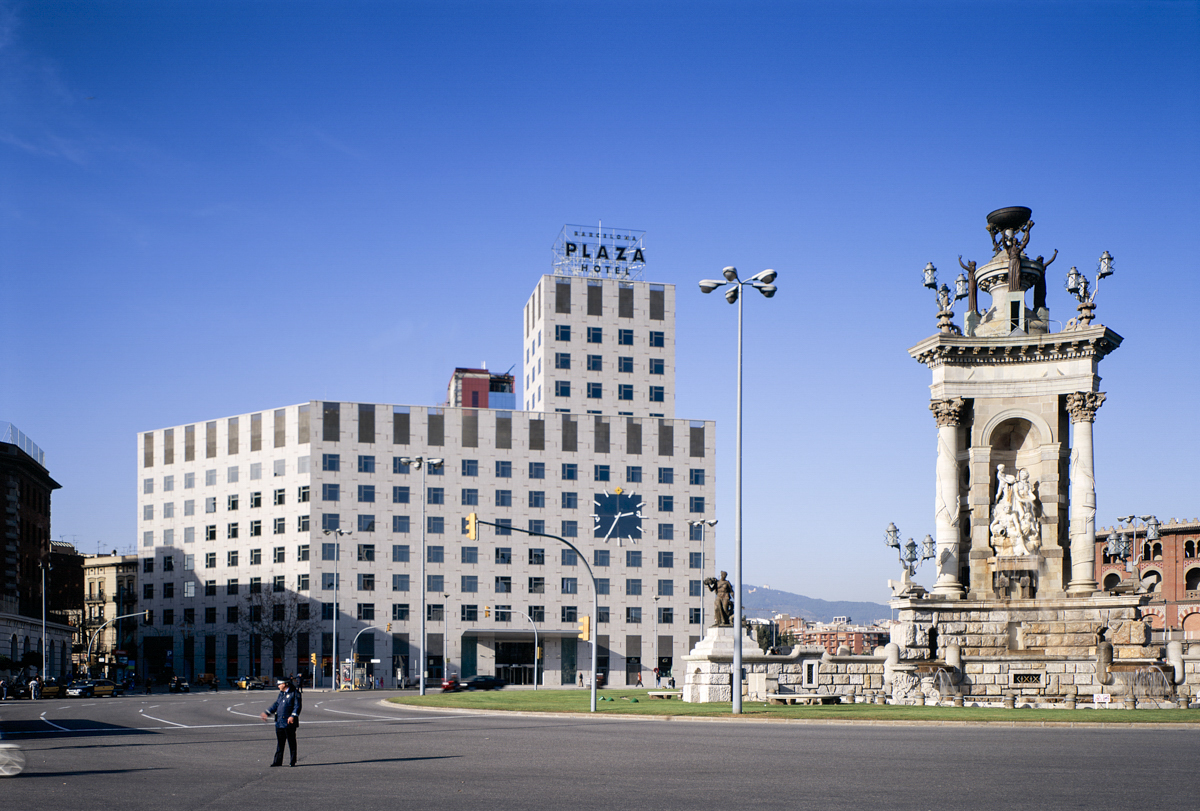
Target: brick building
(1167, 567)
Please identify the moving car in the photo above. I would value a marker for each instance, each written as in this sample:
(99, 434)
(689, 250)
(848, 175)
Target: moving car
(451, 684)
(179, 685)
(252, 683)
(94, 688)
(480, 683)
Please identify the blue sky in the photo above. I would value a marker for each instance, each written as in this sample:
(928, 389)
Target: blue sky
(214, 208)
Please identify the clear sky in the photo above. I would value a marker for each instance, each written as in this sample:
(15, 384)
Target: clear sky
(210, 208)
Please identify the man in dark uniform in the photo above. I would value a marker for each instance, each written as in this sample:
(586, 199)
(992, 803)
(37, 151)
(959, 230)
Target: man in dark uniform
(286, 710)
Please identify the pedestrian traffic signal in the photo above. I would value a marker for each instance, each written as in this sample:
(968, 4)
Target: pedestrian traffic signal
(585, 628)
(473, 527)
(487, 611)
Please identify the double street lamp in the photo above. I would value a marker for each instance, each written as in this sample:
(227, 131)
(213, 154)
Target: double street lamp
(423, 464)
(337, 553)
(703, 524)
(762, 282)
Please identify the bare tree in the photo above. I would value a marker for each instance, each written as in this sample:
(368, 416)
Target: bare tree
(274, 614)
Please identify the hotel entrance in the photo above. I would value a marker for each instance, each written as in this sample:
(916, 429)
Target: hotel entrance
(515, 662)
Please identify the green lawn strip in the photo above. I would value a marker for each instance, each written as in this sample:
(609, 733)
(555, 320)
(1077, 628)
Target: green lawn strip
(622, 704)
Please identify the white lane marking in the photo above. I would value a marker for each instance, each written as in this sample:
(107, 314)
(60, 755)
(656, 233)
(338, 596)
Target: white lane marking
(244, 714)
(365, 715)
(163, 720)
(51, 723)
(152, 706)
(178, 726)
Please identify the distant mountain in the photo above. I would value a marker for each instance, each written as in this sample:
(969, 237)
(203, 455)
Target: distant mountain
(762, 602)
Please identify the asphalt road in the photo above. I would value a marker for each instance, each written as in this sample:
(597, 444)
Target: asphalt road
(210, 751)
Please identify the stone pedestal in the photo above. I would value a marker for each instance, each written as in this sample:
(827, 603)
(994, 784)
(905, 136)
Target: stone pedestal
(708, 669)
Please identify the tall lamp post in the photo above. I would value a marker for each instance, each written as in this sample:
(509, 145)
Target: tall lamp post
(337, 553)
(703, 523)
(45, 567)
(423, 464)
(762, 282)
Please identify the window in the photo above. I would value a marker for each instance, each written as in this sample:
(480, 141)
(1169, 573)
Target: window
(695, 560)
(470, 583)
(570, 613)
(570, 585)
(189, 563)
(210, 477)
(666, 560)
(666, 615)
(601, 473)
(279, 526)
(147, 486)
(330, 521)
(696, 504)
(366, 464)
(435, 525)
(147, 591)
(399, 612)
(331, 461)
(602, 586)
(366, 552)
(256, 586)
(147, 512)
(210, 589)
(504, 613)
(435, 495)
(504, 526)
(277, 586)
(302, 494)
(189, 507)
(400, 553)
(256, 470)
(625, 337)
(302, 585)
(570, 557)
(366, 493)
(399, 582)
(666, 588)
(504, 498)
(657, 394)
(255, 500)
(435, 554)
(231, 586)
(570, 501)
(666, 475)
(400, 523)
(537, 498)
(633, 558)
(537, 613)
(169, 563)
(503, 469)
(624, 391)
(633, 586)
(537, 585)
(330, 492)
(210, 560)
(600, 557)
(147, 564)
(470, 467)
(366, 582)
(633, 615)
(570, 529)
(255, 557)
(696, 476)
(400, 495)
(470, 554)
(302, 523)
(399, 465)
(210, 504)
(695, 588)
(469, 613)
(694, 616)
(189, 481)
(666, 504)
(595, 363)
(327, 580)
(656, 366)
(280, 497)
(562, 388)
(595, 390)
(595, 335)
(503, 585)
(537, 557)
(633, 474)
(470, 497)
(366, 611)
(503, 555)
(562, 360)
(562, 332)
(210, 614)
(255, 529)
(231, 558)
(570, 471)
(666, 532)
(657, 339)
(537, 470)
(329, 551)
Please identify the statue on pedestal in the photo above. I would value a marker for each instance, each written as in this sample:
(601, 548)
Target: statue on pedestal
(723, 602)
(1014, 526)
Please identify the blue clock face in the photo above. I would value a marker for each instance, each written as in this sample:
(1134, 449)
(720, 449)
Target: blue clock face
(618, 516)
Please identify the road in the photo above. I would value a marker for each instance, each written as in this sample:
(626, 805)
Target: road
(210, 751)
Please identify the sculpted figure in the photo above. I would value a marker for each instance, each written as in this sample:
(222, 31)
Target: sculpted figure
(723, 601)
(969, 267)
(1014, 518)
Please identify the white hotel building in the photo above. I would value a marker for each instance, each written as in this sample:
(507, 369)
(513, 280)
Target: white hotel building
(236, 515)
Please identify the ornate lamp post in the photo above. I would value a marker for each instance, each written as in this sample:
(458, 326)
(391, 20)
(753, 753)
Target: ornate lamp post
(1077, 286)
(908, 552)
(423, 464)
(1125, 547)
(945, 299)
(762, 282)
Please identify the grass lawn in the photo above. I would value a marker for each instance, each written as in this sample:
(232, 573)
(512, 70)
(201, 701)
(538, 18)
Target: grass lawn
(623, 704)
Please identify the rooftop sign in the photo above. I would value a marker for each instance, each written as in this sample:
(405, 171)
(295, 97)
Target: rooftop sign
(598, 252)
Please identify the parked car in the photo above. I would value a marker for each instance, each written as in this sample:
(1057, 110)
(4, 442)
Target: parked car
(94, 688)
(251, 683)
(483, 683)
(53, 688)
(179, 685)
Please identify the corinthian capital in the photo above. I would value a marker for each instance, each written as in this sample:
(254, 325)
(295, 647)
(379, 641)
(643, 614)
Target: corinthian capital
(947, 412)
(1082, 405)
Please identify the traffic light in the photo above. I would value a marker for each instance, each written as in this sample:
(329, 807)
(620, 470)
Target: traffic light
(312, 659)
(389, 627)
(473, 527)
(585, 628)
(487, 611)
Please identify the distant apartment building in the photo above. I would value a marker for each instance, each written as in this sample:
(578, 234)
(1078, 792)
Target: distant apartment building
(242, 518)
(835, 634)
(110, 595)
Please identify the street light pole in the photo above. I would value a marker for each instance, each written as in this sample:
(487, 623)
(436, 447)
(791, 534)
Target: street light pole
(703, 523)
(101, 628)
(45, 566)
(337, 554)
(762, 282)
(423, 464)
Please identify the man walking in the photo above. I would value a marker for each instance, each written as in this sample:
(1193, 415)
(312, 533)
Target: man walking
(286, 710)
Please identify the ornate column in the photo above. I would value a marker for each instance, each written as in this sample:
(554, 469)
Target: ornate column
(1082, 406)
(948, 414)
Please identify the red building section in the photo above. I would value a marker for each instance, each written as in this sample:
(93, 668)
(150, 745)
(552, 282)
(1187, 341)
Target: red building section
(1168, 569)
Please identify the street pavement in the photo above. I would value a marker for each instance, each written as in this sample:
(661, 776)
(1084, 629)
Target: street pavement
(210, 751)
